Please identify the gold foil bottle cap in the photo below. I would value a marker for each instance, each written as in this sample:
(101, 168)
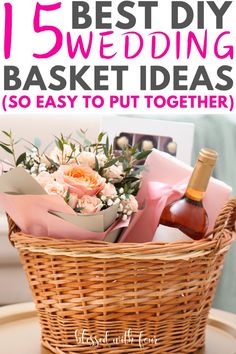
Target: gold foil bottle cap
(208, 156)
(202, 172)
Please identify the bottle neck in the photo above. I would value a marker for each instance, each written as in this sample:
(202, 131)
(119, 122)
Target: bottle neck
(199, 181)
(194, 194)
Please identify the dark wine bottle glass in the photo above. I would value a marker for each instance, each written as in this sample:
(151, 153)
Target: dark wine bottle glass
(186, 217)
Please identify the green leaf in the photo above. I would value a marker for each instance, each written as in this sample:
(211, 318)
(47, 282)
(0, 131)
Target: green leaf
(142, 155)
(67, 196)
(100, 136)
(60, 144)
(21, 159)
(135, 189)
(8, 134)
(28, 142)
(4, 147)
(36, 162)
(105, 150)
(126, 188)
(110, 163)
(81, 135)
(111, 150)
(133, 149)
(72, 146)
(138, 171)
(128, 169)
(94, 145)
(17, 141)
(131, 179)
(1, 142)
(96, 164)
(107, 144)
(125, 165)
(121, 158)
(78, 210)
(53, 163)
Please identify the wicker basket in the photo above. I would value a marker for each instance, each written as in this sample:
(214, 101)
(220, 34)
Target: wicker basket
(96, 297)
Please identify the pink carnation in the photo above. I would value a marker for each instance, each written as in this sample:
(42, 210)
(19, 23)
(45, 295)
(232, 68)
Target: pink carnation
(89, 204)
(114, 173)
(44, 178)
(55, 188)
(130, 204)
(109, 191)
(87, 158)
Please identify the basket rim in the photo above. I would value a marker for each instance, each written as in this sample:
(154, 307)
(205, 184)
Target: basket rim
(180, 250)
(217, 241)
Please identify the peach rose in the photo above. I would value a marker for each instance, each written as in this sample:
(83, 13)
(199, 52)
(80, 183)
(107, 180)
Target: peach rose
(44, 178)
(80, 180)
(89, 204)
(109, 191)
(87, 158)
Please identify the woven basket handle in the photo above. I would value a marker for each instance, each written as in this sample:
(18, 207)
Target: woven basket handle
(11, 228)
(227, 217)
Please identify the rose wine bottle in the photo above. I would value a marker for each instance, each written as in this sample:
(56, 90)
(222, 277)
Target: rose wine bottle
(186, 218)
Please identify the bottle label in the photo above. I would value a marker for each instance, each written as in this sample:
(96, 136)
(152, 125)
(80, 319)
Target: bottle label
(169, 234)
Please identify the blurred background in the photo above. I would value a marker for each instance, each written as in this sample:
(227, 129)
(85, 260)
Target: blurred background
(214, 131)
(219, 133)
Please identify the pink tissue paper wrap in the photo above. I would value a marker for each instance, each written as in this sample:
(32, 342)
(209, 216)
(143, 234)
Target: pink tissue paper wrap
(31, 215)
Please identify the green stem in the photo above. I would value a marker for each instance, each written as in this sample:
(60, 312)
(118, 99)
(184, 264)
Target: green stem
(13, 150)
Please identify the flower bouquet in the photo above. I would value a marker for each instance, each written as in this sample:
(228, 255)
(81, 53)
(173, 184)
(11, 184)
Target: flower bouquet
(97, 184)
